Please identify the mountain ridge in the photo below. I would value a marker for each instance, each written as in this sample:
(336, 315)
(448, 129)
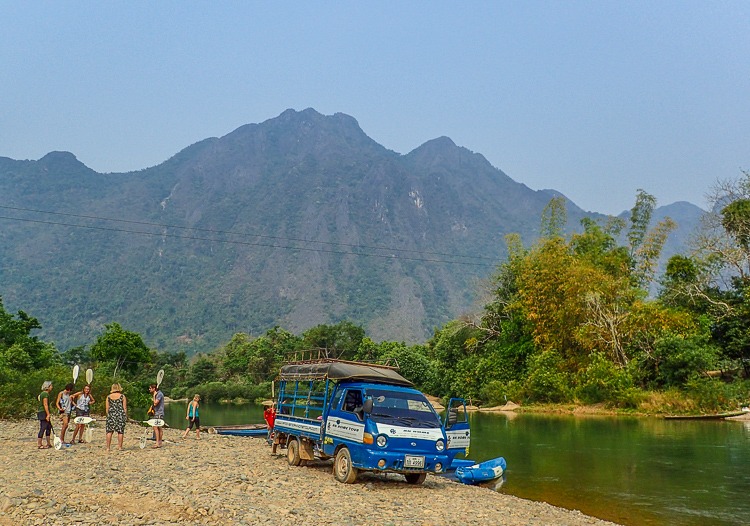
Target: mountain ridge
(307, 197)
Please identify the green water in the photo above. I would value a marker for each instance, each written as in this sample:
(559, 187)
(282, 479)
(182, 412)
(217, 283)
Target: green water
(628, 470)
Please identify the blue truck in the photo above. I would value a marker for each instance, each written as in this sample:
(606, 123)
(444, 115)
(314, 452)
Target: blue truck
(366, 417)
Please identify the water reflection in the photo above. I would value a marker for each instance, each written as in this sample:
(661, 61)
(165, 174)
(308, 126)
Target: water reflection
(628, 470)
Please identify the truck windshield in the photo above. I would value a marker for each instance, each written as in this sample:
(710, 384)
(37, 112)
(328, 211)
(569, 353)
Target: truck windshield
(407, 409)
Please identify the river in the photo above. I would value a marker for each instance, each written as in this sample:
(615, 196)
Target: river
(629, 470)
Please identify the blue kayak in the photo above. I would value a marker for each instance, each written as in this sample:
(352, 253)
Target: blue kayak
(246, 430)
(482, 472)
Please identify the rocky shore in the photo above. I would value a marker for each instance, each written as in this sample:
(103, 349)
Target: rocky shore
(227, 480)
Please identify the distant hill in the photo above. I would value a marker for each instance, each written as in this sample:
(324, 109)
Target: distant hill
(296, 221)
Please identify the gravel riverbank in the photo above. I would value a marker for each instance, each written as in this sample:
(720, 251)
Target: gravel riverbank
(227, 480)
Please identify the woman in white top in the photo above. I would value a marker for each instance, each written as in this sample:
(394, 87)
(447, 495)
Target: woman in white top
(83, 400)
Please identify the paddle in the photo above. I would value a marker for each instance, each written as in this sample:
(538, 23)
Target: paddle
(75, 373)
(89, 432)
(153, 422)
(56, 440)
(159, 377)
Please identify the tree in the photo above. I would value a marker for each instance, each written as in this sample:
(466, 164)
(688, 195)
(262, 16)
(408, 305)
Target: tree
(721, 279)
(18, 348)
(125, 349)
(646, 244)
(202, 370)
(342, 339)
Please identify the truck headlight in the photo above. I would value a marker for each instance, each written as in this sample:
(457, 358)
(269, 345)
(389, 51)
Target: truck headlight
(440, 445)
(381, 440)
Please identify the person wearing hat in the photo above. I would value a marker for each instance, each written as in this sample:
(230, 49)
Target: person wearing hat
(193, 417)
(116, 406)
(43, 414)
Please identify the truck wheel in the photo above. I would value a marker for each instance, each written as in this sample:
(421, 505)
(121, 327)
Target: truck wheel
(292, 453)
(343, 470)
(415, 478)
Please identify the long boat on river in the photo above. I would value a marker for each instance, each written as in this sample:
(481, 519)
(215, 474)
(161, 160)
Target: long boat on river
(717, 416)
(243, 430)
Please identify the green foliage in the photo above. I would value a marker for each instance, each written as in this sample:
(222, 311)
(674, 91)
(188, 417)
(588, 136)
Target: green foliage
(547, 381)
(259, 358)
(735, 218)
(554, 218)
(601, 381)
(124, 348)
(342, 339)
(76, 355)
(201, 370)
(678, 358)
(711, 394)
(495, 392)
(413, 363)
(19, 350)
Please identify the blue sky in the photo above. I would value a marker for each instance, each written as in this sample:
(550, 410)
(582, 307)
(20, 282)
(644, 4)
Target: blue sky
(594, 99)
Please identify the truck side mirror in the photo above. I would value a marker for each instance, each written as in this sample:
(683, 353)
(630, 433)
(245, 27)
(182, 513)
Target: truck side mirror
(367, 407)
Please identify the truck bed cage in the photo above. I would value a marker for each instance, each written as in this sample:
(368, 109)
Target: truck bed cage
(331, 369)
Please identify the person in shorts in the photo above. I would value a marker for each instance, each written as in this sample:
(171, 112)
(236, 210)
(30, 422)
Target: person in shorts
(158, 405)
(64, 405)
(193, 418)
(83, 401)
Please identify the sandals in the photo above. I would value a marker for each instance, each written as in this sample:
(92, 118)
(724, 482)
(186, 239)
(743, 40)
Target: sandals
(43, 447)
(81, 441)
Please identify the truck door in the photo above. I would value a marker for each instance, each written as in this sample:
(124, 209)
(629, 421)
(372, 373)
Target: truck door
(456, 425)
(345, 424)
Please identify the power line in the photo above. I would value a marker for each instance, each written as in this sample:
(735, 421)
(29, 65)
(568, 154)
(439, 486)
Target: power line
(229, 232)
(247, 243)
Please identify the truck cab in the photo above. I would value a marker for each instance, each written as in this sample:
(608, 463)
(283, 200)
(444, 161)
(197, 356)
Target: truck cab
(366, 418)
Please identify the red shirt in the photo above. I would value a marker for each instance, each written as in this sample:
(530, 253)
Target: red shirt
(269, 415)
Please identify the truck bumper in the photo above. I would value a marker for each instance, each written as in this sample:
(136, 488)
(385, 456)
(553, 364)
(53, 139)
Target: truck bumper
(395, 461)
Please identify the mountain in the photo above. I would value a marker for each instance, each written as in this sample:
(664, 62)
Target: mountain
(297, 221)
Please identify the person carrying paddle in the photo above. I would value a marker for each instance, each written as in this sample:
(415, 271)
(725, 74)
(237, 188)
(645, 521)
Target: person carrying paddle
(43, 414)
(65, 406)
(193, 418)
(83, 401)
(158, 405)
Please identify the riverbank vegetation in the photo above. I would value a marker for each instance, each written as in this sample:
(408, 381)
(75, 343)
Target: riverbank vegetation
(573, 319)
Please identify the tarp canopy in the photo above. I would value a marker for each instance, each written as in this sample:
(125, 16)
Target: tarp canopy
(343, 371)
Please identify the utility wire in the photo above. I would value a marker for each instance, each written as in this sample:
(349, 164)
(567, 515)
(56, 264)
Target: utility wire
(247, 243)
(229, 232)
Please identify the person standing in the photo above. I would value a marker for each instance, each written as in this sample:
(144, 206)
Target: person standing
(116, 406)
(193, 418)
(269, 415)
(65, 406)
(43, 414)
(83, 401)
(158, 405)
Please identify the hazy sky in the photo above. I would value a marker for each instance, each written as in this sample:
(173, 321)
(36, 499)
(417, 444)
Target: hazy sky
(594, 99)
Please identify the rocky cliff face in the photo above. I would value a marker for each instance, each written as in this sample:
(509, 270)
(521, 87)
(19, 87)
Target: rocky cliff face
(296, 221)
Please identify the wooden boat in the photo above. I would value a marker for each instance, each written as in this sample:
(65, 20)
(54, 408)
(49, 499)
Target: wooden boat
(717, 416)
(242, 430)
(482, 472)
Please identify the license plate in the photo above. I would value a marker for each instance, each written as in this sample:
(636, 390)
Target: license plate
(411, 461)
